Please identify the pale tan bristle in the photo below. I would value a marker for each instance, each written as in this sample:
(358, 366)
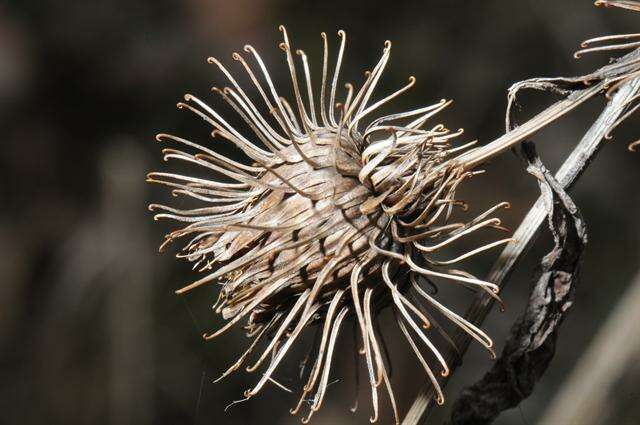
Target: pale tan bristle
(333, 216)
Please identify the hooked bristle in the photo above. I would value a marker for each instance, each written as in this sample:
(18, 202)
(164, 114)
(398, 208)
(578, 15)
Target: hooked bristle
(329, 222)
(628, 69)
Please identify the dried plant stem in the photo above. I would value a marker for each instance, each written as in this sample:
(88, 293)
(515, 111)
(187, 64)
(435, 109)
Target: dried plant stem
(528, 230)
(508, 140)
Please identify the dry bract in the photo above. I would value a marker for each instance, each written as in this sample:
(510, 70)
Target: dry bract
(338, 215)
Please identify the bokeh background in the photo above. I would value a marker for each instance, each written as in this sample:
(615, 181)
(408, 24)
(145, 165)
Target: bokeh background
(90, 329)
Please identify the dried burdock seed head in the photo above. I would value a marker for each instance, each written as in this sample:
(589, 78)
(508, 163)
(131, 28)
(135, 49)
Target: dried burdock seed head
(337, 215)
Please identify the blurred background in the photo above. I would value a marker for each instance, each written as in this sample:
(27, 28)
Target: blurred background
(91, 331)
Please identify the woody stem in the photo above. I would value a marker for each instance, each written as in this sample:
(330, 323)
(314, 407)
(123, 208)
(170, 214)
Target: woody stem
(472, 159)
(528, 230)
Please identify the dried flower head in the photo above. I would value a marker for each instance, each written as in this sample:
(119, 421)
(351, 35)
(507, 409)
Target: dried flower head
(337, 215)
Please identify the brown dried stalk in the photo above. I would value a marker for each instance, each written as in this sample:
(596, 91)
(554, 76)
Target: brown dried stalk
(531, 344)
(526, 234)
(622, 81)
(329, 221)
(619, 42)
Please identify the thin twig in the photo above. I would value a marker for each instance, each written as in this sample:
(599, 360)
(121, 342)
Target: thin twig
(528, 230)
(544, 118)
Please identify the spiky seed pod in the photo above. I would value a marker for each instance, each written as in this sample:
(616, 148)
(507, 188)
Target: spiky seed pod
(329, 222)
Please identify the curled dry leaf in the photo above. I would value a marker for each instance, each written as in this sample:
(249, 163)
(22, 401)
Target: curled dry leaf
(531, 345)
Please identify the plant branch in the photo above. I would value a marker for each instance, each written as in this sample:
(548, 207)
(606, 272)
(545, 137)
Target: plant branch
(532, 341)
(528, 230)
(473, 158)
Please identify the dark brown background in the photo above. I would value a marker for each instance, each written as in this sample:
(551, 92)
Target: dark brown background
(90, 330)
